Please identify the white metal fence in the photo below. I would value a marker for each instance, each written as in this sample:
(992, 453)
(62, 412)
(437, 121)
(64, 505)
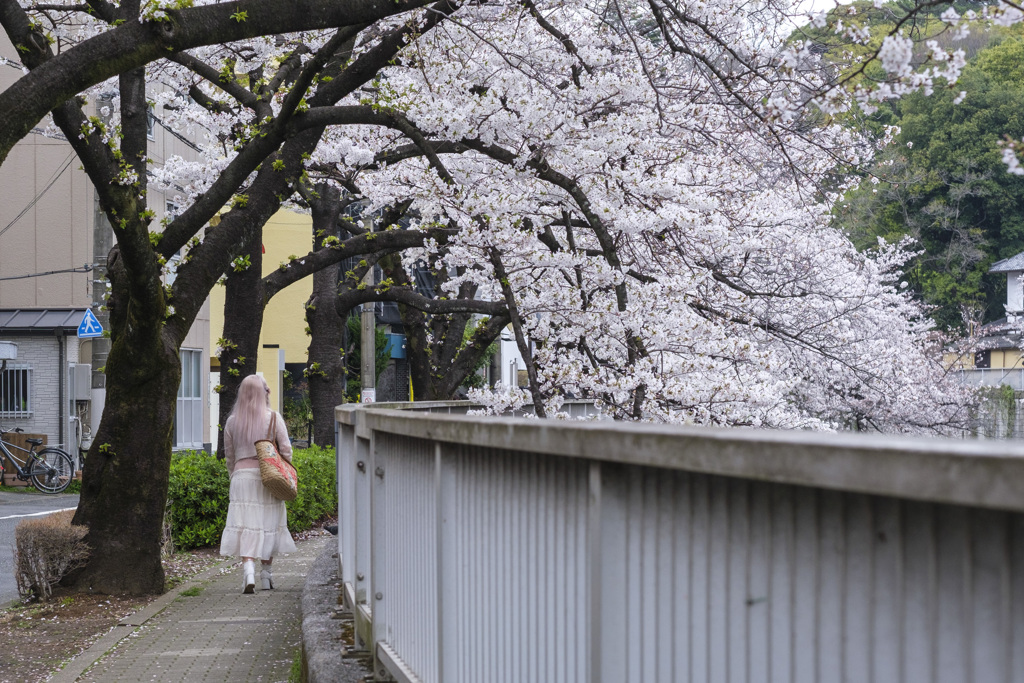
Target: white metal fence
(490, 549)
(993, 377)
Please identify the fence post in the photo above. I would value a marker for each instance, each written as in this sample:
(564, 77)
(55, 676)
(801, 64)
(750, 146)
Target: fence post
(606, 540)
(362, 482)
(340, 540)
(378, 598)
(448, 613)
(346, 469)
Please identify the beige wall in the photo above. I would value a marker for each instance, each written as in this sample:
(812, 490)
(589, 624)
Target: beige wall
(1006, 358)
(55, 233)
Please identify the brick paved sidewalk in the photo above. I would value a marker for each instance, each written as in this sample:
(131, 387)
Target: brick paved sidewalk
(218, 635)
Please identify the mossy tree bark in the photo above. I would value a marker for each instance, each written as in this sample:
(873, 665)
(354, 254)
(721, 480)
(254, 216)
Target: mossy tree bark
(243, 319)
(325, 369)
(126, 472)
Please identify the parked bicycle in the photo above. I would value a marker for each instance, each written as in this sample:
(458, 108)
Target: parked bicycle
(50, 470)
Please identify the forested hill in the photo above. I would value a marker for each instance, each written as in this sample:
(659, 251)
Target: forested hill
(943, 181)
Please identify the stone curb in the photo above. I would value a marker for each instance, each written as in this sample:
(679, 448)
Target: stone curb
(324, 657)
(124, 628)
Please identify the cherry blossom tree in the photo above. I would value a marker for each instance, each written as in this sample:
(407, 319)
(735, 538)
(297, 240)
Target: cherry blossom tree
(130, 458)
(640, 188)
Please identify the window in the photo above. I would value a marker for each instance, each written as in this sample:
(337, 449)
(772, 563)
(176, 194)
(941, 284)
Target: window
(16, 391)
(151, 121)
(188, 416)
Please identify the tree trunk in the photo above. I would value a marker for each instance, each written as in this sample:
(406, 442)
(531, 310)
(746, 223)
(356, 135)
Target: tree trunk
(124, 484)
(243, 319)
(325, 370)
(439, 368)
(127, 470)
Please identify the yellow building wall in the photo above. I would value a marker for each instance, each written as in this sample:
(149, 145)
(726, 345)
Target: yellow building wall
(284, 322)
(957, 361)
(1007, 358)
(283, 336)
(998, 358)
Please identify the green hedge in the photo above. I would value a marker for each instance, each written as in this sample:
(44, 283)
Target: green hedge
(198, 499)
(198, 495)
(318, 492)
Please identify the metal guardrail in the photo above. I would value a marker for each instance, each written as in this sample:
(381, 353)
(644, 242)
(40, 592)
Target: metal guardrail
(502, 549)
(993, 377)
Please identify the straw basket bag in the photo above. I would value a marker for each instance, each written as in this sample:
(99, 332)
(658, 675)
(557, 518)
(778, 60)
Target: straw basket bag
(278, 475)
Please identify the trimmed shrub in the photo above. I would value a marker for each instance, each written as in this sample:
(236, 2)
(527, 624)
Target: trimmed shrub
(198, 495)
(46, 549)
(318, 493)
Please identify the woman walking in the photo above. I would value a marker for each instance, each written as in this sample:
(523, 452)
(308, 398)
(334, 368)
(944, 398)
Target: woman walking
(257, 523)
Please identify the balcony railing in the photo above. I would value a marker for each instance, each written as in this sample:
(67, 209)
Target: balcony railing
(481, 549)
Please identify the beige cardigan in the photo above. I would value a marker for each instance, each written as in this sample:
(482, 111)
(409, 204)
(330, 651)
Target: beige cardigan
(243, 455)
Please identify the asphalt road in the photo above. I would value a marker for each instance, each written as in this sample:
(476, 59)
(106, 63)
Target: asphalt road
(14, 507)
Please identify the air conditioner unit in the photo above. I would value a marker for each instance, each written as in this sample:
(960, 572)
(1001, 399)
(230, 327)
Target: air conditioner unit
(8, 350)
(81, 381)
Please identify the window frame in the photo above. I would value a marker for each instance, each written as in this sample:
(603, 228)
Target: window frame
(188, 409)
(26, 383)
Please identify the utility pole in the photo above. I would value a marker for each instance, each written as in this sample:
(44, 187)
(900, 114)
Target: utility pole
(368, 350)
(102, 244)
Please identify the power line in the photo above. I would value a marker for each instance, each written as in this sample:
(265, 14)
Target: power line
(53, 179)
(84, 269)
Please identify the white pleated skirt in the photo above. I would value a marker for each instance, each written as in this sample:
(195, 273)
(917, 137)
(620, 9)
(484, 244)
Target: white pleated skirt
(257, 523)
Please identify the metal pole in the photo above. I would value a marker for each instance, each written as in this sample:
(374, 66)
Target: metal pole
(61, 380)
(368, 346)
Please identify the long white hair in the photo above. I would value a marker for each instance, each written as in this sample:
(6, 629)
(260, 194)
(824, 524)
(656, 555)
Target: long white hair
(249, 416)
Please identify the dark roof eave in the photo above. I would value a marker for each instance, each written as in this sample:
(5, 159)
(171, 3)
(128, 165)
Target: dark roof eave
(25, 321)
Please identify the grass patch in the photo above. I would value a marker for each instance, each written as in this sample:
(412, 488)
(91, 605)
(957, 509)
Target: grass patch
(192, 592)
(295, 673)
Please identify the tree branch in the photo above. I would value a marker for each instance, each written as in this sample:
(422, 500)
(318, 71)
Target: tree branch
(56, 78)
(213, 76)
(361, 245)
(517, 327)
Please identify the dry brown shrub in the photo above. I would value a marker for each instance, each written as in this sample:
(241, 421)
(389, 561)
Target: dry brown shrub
(45, 550)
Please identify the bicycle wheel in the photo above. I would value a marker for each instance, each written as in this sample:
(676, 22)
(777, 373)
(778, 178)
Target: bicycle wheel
(52, 470)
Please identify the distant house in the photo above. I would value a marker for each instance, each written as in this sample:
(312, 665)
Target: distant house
(997, 359)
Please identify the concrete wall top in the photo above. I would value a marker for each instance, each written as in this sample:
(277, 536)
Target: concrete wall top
(962, 472)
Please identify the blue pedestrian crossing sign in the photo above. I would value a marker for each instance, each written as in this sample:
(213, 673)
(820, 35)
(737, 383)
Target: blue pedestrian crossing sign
(90, 326)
